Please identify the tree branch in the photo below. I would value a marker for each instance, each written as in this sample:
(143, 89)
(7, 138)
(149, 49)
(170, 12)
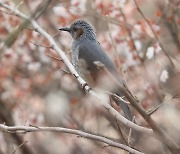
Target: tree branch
(128, 30)
(19, 146)
(26, 129)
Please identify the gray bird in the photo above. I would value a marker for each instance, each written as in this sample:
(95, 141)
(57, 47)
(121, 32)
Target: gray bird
(86, 51)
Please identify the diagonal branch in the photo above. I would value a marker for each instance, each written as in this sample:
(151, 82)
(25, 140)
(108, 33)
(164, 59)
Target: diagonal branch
(128, 30)
(14, 151)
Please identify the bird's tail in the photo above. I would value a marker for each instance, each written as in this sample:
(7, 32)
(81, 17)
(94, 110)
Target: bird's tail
(128, 115)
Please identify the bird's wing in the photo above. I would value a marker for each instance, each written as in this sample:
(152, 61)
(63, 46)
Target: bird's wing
(91, 52)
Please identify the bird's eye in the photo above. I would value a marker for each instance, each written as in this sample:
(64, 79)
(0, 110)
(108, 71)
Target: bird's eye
(74, 29)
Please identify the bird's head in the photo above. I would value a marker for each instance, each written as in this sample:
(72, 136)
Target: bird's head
(80, 29)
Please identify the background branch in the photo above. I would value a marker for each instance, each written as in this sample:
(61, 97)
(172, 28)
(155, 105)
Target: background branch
(9, 41)
(154, 33)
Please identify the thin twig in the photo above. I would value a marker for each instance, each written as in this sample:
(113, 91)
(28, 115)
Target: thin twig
(40, 45)
(56, 34)
(128, 29)
(130, 133)
(120, 131)
(18, 5)
(56, 58)
(19, 146)
(118, 97)
(152, 110)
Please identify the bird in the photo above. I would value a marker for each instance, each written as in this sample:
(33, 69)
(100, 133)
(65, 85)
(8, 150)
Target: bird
(88, 58)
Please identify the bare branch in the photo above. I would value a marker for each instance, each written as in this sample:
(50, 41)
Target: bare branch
(118, 97)
(51, 47)
(14, 151)
(25, 129)
(128, 29)
(130, 133)
(154, 109)
(18, 5)
(121, 133)
(56, 58)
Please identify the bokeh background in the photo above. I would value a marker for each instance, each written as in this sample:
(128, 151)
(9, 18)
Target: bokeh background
(38, 90)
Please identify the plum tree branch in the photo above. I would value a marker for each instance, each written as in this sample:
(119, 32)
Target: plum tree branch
(27, 129)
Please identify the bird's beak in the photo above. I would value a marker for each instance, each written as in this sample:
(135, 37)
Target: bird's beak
(65, 29)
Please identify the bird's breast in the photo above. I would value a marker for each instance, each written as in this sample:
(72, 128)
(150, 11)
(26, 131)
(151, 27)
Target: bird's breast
(74, 55)
(81, 65)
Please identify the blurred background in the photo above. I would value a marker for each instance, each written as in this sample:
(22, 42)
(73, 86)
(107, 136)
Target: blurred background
(37, 89)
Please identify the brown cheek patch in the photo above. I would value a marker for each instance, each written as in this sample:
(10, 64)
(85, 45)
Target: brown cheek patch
(79, 32)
